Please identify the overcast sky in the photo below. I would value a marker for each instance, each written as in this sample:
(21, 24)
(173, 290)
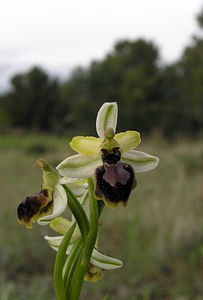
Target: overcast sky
(61, 34)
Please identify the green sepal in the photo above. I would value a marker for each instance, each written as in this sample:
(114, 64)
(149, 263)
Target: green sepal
(79, 166)
(140, 161)
(106, 118)
(105, 262)
(50, 175)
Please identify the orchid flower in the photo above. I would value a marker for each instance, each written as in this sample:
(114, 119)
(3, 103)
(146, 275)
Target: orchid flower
(110, 158)
(49, 203)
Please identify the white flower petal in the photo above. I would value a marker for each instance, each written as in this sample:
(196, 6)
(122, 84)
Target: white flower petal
(106, 117)
(105, 262)
(79, 166)
(59, 205)
(140, 161)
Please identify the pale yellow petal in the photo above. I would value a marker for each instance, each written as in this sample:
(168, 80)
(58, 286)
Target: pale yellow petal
(128, 140)
(86, 145)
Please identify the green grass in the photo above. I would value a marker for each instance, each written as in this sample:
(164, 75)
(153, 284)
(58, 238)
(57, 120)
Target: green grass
(159, 236)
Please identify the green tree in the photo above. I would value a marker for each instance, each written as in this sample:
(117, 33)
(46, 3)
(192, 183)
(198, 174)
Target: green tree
(200, 19)
(191, 84)
(33, 101)
(128, 75)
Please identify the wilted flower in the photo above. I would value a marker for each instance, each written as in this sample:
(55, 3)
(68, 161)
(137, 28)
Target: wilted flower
(111, 158)
(49, 203)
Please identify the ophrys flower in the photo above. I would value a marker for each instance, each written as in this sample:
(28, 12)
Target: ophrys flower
(113, 154)
(46, 205)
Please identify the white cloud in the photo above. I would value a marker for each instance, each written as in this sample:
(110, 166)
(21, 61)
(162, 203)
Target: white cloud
(68, 33)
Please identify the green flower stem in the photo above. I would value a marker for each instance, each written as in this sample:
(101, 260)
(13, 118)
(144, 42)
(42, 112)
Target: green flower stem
(78, 212)
(59, 264)
(88, 247)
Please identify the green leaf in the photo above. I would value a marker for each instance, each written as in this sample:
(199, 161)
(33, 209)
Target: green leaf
(106, 118)
(59, 264)
(140, 161)
(78, 212)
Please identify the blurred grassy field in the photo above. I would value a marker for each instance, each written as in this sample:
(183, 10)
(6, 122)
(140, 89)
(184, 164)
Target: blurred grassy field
(159, 236)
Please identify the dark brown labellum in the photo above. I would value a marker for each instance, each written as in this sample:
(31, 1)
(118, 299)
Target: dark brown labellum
(114, 179)
(34, 207)
(114, 183)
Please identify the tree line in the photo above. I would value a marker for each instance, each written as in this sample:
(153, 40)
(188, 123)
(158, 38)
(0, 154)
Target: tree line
(151, 95)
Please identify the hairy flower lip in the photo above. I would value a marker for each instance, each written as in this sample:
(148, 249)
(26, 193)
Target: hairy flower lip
(114, 188)
(115, 173)
(30, 209)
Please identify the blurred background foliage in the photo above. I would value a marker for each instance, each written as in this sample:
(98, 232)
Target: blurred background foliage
(151, 95)
(159, 236)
